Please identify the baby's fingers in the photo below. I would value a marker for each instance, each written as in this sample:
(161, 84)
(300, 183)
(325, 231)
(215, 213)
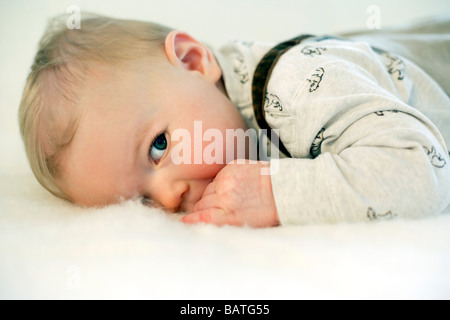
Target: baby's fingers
(207, 202)
(210, 216)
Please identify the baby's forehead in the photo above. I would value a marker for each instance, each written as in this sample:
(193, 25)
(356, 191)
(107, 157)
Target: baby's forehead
(122, 88)
(109, 88)
(103, 73)
(97, 72)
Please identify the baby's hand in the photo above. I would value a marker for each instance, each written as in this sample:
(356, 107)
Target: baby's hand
(239, 195)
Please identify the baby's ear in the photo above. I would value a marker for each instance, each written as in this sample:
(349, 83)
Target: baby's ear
(184, 51)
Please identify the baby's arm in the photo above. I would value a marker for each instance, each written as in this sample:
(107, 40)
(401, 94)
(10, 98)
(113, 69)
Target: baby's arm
(375, 156)
(384, 166)
(389, 165)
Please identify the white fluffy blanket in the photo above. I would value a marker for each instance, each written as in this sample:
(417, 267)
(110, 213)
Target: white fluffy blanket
(52, 249)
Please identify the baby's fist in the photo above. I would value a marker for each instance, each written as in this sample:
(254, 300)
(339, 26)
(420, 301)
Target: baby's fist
(239, 195)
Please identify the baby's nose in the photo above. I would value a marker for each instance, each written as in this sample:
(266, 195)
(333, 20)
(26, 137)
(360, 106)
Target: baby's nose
(171, 195)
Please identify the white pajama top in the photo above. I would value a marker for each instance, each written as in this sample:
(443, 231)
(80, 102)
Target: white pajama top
(366, 130)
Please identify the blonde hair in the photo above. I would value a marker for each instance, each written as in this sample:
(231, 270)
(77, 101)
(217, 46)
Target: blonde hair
(48, 113)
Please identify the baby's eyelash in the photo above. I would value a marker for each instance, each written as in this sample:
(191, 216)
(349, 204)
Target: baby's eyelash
(158, 147)
(147, 201)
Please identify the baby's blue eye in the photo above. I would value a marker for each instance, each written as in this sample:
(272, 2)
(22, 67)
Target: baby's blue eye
(158, 147)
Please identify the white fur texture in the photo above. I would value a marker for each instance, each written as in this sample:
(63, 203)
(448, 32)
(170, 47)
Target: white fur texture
(52, 249)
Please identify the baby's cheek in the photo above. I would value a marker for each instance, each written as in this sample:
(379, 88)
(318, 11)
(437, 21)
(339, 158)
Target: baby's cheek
(203, 171)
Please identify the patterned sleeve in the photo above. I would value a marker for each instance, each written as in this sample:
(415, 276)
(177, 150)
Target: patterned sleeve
(383, 166)
(360, 151)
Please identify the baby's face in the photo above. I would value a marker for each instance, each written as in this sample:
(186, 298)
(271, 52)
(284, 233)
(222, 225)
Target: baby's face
(122, 146)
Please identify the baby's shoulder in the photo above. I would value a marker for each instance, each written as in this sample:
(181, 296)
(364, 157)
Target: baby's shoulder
(320, 50)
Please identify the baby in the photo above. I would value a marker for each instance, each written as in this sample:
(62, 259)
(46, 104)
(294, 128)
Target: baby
(122, 109)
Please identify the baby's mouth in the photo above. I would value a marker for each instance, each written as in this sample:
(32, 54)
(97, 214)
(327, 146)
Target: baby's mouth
(185, 208)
